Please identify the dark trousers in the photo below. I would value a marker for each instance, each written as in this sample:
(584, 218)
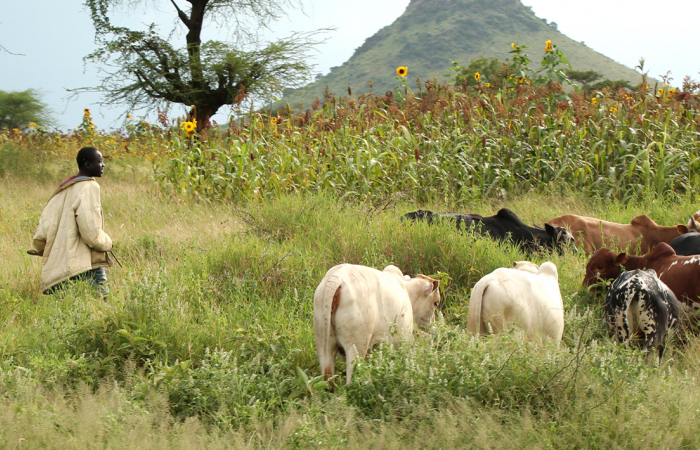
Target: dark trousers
(96, 277)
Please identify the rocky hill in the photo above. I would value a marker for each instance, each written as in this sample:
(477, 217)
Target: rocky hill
(431, 34)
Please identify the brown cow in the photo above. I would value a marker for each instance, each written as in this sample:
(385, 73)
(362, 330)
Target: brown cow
(591, 234)
(680, 273)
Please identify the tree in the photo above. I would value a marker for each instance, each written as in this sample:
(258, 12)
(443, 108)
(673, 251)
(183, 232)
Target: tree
(488, 69)
(143, 69)
(20, 108)
(585, 77)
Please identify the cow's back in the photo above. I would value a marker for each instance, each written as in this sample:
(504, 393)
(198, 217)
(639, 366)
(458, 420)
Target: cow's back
(369, 297)
(687, 244)
(531, 301)
(592, 234)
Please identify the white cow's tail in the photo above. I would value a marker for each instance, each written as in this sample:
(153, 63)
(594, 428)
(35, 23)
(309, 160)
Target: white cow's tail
(327, 348)
(475, 302)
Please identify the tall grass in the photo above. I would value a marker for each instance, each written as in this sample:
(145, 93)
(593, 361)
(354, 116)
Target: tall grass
(207, 338)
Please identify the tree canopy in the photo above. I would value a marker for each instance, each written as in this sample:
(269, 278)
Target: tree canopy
(143, 69)
(19, 109)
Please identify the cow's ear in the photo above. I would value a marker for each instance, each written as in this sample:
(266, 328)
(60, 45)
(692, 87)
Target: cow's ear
(682, 229)
(430, 288)
(550, 229)
(621, 258)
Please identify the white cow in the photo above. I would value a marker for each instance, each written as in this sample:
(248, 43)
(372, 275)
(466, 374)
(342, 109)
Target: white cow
(508, 297)
(355, 307)
(527, 266)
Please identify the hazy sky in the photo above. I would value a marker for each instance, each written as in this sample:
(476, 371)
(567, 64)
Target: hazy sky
(54, 36)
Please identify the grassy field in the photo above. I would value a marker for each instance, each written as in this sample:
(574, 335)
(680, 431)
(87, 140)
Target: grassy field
(207, 337)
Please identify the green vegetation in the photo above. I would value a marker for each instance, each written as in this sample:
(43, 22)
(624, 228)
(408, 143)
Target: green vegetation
(22, 110)
(207, 339)
(432, 33)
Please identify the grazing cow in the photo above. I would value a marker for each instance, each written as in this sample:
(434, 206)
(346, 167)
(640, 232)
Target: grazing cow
(355, 307)
(638, 303)
(592, 234)
(527, 266)
(505, 224)
(687, 244)
(679, 273)
(508, 297)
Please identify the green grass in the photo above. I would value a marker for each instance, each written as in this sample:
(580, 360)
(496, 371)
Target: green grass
(207, 338)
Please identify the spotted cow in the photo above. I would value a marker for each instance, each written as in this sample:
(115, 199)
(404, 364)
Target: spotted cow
(679, 273)
(640, 306)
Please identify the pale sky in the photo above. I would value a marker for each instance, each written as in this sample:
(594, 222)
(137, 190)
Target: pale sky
(54, 36)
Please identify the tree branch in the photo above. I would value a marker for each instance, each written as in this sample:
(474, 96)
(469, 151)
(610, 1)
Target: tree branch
(181, 14)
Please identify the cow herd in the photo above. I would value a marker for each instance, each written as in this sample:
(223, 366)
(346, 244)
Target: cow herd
(655, 286)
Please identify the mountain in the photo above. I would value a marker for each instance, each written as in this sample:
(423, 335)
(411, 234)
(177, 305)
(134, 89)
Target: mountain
(432, 33)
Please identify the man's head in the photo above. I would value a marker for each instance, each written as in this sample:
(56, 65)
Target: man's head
(90, 162)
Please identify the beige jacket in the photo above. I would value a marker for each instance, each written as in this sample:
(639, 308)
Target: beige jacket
(70, 236)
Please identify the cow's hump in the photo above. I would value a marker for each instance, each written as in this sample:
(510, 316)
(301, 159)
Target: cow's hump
(661, 250)
(507, 214)
(643, 221)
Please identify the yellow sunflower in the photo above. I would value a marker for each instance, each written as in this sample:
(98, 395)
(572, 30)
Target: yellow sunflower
(488, 85)
(548, 46)
(671, 91)
(189, 127)
(32, 125)
(514, 46)
(477, 75)
(402, 71)
(594, 100)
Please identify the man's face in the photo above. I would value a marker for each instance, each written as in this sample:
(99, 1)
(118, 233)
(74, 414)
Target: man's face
(96, 167)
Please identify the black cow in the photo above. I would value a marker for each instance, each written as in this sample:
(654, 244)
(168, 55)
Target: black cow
(639, 305)
(687, 244)
(504, 225)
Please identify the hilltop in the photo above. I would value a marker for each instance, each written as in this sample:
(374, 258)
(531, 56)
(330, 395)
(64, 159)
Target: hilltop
(431, 34)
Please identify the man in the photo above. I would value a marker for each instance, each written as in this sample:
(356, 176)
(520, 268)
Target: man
(70, 237)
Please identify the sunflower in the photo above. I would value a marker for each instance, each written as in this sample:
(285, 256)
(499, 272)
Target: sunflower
(402, 71)
(514, 46)
(477, 75)
(671, 91)
(594, 100)
(548, 46)
(32, 125)
(660, 92)
(613, 108)
(488, 85)
(189, 127)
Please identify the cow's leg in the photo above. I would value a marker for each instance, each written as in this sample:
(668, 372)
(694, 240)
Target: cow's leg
(622, 329)
(353, 351)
